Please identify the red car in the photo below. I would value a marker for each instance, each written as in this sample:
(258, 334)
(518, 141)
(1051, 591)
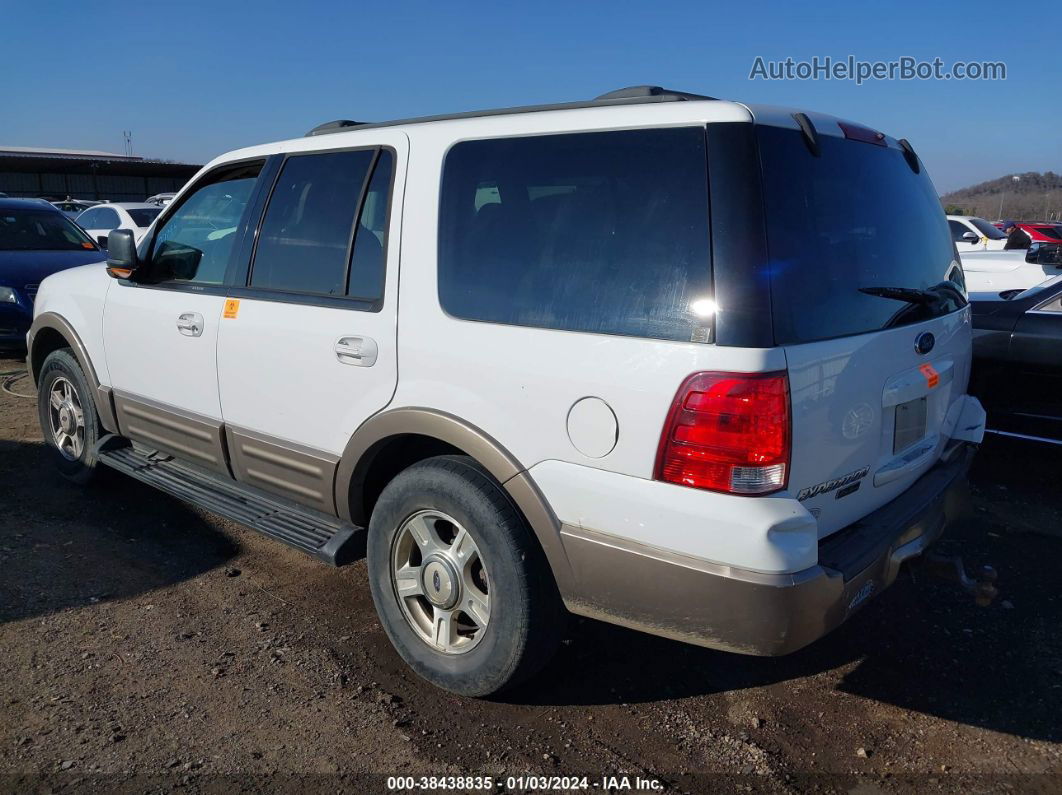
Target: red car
(1039, 233)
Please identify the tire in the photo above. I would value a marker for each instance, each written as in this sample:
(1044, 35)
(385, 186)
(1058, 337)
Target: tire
(76, 461)
(523, 610)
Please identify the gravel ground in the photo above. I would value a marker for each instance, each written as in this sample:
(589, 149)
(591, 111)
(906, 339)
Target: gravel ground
(148, 646)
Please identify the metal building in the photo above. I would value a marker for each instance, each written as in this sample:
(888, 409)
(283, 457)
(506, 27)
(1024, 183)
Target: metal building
(57, 173)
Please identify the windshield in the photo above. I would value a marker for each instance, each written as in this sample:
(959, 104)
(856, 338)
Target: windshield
(41, 230)
(844, 225)
(987, 229)
(144, 216)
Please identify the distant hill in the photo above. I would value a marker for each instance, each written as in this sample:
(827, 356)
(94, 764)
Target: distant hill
(1025, 197)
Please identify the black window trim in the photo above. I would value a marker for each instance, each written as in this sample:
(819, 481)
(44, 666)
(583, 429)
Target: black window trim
(147, 245)
(237, 289)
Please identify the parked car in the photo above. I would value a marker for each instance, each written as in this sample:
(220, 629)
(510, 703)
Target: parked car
(101, 220)
(728, 428)
(1039, 232)
(36, 240)
(975, 234)
(160, 199)
(1018, 269)
(72, 208)
(1018, 360)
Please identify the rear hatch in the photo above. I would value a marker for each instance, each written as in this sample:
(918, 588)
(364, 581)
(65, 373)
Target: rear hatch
(868, 303)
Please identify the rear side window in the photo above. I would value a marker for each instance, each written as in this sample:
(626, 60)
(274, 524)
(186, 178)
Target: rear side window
(595, 232)
(845, 224)
(144, 216)
(108, 218)
(307, 242)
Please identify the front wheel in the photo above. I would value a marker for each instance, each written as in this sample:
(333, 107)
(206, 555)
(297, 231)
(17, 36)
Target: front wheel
(461, 586)
(68, 416)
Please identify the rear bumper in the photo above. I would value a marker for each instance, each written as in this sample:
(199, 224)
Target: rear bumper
(707, 604)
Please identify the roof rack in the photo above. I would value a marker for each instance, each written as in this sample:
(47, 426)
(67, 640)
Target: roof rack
(632, 95)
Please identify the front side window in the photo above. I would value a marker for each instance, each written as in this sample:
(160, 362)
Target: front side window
(987, 230)
(312, 238)
(594, 232)
(195, 242)
(958, 229)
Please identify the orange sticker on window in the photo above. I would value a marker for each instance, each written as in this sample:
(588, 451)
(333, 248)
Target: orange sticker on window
(932, 376)
(232, 307)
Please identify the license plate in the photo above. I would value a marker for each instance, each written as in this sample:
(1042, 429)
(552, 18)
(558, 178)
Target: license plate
(910, 424)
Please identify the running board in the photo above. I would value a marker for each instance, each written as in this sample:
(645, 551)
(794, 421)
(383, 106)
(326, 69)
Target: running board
(326, 538)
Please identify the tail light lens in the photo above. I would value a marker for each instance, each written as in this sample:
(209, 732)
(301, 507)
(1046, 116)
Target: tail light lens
(728, 432)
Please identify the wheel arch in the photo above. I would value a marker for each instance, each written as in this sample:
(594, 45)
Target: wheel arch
(392, 440)
(49, 333)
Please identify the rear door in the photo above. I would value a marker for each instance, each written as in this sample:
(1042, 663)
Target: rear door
(306, 350)
(868, 302)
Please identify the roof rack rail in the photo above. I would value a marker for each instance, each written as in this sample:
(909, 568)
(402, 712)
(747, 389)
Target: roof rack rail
(334, 126)
(632, 95)
(634, 92)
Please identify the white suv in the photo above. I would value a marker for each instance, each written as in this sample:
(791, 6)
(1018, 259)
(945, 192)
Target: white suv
(655, 358)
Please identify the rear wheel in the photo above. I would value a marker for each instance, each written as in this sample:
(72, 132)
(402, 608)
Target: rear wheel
(461, 586)
(68, 415)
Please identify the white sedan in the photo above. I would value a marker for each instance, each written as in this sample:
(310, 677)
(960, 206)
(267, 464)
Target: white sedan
(975, 234)
(101, 220)
(996, 271)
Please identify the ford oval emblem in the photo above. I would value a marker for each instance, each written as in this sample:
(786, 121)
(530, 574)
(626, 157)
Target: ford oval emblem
(925, 342)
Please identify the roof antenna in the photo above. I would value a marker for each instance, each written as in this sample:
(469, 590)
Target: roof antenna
(811, 139)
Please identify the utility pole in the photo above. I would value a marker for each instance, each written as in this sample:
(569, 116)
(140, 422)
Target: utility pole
(128, 136)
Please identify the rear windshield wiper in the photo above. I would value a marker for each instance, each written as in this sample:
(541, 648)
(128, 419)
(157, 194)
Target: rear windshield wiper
(911, 295)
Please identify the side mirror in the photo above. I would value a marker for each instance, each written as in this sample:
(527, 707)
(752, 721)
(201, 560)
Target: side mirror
(971, 237)
(102, 241)
(121, 253)
(1044, 254)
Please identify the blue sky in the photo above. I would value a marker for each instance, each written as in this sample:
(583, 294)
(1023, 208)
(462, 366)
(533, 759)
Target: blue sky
(195, 79)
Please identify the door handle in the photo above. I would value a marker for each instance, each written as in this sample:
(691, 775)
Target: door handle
(360, 351)
(190, 324)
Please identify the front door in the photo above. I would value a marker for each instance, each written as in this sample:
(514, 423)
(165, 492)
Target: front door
(309, 351)
(160, 328)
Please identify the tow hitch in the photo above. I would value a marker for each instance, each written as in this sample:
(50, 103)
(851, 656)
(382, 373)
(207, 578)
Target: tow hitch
(982, 586)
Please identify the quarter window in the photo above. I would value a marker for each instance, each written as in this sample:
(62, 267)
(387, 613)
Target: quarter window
(595, 232)
(312, 239)
(195, 242)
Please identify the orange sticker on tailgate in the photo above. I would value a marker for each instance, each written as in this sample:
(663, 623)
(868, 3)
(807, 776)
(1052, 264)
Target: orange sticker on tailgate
(931, 375)
(232, 308)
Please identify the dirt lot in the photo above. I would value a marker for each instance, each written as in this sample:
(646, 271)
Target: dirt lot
(149, 646)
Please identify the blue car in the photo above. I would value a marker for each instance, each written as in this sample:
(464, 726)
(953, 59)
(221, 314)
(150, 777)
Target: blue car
(36, 240)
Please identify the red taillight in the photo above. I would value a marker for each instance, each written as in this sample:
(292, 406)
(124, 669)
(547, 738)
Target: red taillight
(728, 432)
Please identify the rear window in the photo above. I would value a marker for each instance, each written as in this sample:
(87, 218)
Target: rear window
(594, 232)
(144, 217)
(856, 217)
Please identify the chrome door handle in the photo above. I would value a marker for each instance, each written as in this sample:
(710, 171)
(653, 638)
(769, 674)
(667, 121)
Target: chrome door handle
(190, 324)
(360, 351)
